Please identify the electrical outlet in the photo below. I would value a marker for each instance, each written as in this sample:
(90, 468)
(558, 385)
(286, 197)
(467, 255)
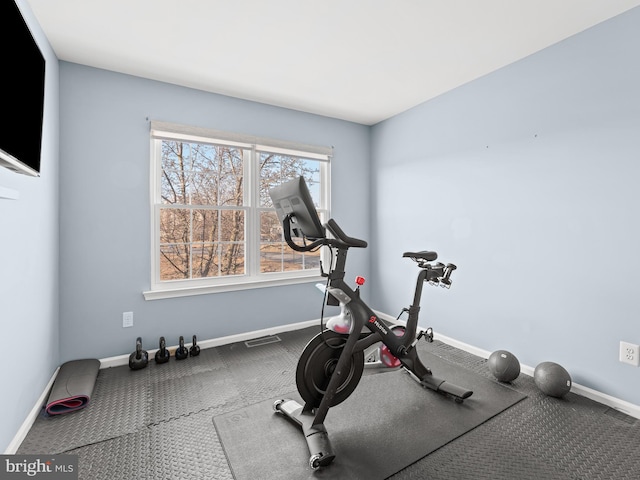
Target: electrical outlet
(127, 319)
(630, 353)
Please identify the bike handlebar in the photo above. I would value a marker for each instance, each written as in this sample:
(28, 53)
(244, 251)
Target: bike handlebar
(337, 232)
(343, 240)
(286, 228)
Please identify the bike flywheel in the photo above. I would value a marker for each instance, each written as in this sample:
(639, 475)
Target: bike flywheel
(317, 364)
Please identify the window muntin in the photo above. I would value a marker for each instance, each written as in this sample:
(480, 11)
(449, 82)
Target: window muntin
(214, 224)
(276, 168)
(202, 210)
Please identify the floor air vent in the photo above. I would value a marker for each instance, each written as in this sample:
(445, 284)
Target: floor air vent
(262, 341)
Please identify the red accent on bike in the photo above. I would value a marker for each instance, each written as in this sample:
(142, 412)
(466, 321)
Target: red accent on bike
(372, 318)
(360, 280)
(386, 357)
(341, 328)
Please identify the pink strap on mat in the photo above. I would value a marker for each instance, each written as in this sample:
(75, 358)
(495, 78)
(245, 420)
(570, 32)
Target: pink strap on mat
(73, 386)
(67, 404)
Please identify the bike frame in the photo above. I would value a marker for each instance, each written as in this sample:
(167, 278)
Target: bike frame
(363, 316)
(308, 417)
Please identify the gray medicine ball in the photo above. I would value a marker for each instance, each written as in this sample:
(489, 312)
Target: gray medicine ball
(552, 379)
(504, 365)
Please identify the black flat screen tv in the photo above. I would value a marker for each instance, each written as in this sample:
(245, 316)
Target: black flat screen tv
(21, 93)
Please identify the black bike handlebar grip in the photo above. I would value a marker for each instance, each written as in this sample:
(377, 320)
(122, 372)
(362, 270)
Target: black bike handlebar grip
(340, 235)
(434, 272)
(286, 228)
(445, 281)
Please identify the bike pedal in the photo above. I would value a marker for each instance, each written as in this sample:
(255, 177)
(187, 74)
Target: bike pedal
(428, 333)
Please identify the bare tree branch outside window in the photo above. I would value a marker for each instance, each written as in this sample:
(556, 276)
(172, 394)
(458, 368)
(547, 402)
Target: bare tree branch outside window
(203, 215)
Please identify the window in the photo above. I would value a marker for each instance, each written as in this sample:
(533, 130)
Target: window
(213, 225)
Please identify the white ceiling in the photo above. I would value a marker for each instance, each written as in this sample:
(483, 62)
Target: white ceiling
(357, 60)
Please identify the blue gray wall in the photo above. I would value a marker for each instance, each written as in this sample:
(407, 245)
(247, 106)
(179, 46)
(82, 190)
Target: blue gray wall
(524, 178)
(104, 211)
(29, 266)
(527, 179)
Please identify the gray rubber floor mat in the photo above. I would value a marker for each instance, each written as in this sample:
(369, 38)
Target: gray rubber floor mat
(156, 423)
(119, 406)
(389, 422)
(572, 438)
(127, 456)
(179, 396)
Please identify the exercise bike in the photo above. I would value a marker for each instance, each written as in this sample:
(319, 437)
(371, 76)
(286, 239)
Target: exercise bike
(332, 363)
(378, 356)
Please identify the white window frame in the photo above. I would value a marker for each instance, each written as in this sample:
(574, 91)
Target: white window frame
(252, 278)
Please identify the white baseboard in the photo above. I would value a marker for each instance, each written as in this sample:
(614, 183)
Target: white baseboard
(608, 400)
(215, 342)
(616, 403)
(12, 448)
(124, 360)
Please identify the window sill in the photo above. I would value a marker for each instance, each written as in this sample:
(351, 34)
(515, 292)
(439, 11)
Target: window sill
(174, 292)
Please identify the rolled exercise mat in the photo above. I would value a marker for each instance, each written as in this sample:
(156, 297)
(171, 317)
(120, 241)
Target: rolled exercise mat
(73, 386)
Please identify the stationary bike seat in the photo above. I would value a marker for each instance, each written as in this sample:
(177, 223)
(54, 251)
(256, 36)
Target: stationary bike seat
(423, 255)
